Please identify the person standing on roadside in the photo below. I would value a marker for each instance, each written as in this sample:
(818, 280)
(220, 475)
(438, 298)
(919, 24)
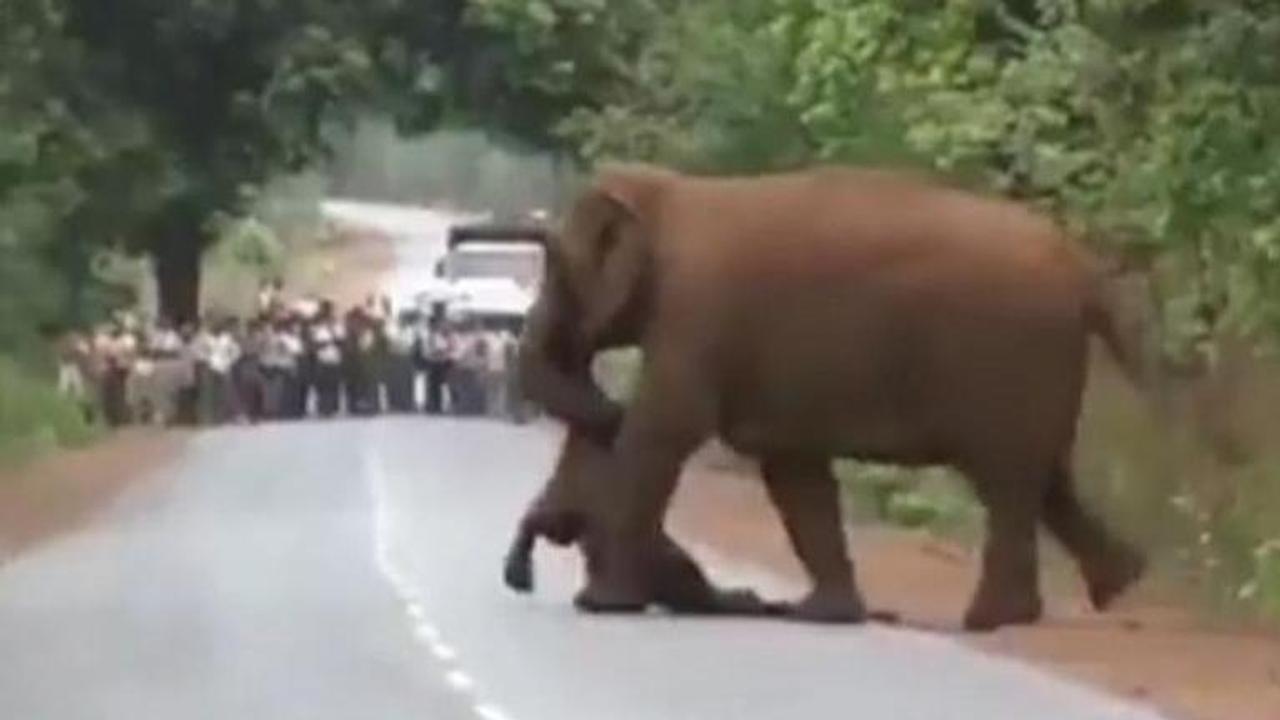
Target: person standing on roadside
(495, 371)
(74, 360)
(222, 403)
(187, 405)
(278, 365)
(437, 360)
(250, 382)
(296, 393)
(326, 339)
(118, 348)
(271, 298)
(359, 354)
(398, 371)
(202, 352)
(470, 366)
(515, 406)
(170, 373)
(458, 378)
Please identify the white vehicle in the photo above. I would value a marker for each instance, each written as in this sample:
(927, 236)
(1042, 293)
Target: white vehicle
(490, 273)
(520, 262)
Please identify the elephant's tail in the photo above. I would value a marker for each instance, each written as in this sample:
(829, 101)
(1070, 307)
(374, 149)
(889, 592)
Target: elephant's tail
(1123, 340)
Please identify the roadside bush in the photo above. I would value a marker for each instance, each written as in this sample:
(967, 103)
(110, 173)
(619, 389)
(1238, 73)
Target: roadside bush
(1200, 489)
(34, 418)
(616, 372)
(935, 500)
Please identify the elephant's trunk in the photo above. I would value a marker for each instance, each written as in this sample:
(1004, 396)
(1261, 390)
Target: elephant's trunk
(517, 570)
(555, 366)
(562, 527)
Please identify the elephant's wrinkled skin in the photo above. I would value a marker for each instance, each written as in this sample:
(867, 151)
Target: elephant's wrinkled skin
(562, 515)
(831, 312)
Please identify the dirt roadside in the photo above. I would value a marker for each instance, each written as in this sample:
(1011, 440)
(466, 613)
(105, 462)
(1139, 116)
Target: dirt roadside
(62, 491)
(65, 490)
(1143, 649)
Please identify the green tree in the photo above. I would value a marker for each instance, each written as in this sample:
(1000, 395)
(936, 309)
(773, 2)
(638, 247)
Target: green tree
(58, 133)
(231, 94)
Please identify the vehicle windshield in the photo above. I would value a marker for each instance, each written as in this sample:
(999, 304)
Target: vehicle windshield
(523, 264)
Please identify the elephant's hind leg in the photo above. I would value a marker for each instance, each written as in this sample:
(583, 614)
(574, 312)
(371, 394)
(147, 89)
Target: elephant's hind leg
(1109, 565)
(804, 491)
(1008, 592)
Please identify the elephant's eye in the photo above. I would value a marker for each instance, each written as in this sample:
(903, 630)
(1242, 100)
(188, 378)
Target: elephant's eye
(610, 234)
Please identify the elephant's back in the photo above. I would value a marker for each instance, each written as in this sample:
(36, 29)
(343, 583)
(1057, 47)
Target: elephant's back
(887, 235)
(888, 311)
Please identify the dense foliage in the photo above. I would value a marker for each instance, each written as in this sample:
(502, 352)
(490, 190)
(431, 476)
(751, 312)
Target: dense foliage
(1146, 124)
(135, 125)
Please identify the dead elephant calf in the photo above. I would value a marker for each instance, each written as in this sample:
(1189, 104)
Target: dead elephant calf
(563, 514)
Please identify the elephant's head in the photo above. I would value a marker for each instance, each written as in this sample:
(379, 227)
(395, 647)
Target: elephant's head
(595, 296)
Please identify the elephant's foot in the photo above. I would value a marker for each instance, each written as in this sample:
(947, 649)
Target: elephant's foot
(1108, 579)
(602, 601)
(612, 593)
(830, 606)
(991, 610)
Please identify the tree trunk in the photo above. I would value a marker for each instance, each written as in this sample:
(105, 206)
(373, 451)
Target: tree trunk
(175, 261)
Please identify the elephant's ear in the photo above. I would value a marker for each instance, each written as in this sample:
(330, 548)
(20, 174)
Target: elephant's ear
(606, 247)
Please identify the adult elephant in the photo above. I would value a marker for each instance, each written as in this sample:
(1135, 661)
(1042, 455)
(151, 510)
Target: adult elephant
(831, 312)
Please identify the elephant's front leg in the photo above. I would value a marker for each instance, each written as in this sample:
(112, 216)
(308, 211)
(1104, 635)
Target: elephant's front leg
(805, 493)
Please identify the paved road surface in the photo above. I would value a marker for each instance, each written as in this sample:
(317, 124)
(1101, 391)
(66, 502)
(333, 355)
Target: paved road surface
(334, 570)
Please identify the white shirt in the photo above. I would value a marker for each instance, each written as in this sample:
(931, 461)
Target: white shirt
(201, 347)
(267, 298)
(327, 350)
(166, 341)
(497, 357)
(278, 351)
(436, 345)
(306, 307)
(223, 353)
(399, 338)
(292, 344)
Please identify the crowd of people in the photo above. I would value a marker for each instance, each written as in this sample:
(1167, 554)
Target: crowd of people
(292, 359)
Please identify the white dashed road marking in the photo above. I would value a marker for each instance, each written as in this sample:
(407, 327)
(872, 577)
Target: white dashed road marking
(423, 630)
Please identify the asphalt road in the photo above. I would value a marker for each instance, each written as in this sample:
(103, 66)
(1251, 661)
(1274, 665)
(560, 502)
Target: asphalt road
(350, 569)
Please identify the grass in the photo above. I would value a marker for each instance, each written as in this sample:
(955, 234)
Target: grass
(35, 418)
